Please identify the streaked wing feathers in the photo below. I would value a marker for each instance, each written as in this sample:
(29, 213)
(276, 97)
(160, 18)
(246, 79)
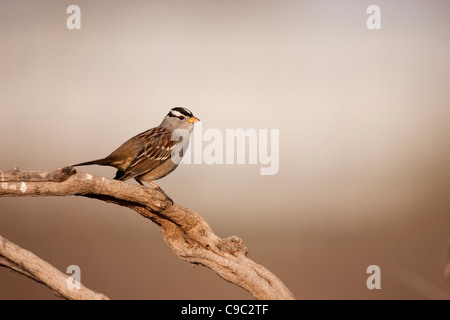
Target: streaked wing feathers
(157, 146)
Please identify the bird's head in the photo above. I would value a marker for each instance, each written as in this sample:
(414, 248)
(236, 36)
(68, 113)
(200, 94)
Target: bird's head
(179, 118)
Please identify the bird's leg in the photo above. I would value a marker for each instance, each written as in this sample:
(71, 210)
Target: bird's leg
(160, 190)
(157, 188)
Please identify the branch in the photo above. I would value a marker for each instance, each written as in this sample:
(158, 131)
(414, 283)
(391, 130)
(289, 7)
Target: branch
(24, 262)
(184, 231)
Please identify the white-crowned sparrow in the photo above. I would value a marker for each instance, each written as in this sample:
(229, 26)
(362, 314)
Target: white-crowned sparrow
(148, 155)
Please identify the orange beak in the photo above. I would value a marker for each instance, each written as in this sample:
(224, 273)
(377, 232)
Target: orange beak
(193, 119)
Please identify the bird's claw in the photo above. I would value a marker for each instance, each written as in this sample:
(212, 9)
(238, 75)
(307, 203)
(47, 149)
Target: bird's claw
(165, 195)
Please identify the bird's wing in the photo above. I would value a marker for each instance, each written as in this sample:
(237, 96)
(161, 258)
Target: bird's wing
(157, 146)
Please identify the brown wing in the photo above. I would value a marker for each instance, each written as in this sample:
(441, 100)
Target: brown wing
(157, 146)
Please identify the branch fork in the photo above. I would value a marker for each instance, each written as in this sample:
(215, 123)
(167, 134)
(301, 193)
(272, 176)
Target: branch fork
(184, 231)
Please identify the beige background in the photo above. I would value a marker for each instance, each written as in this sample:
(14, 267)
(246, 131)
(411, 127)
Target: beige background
(364, 140)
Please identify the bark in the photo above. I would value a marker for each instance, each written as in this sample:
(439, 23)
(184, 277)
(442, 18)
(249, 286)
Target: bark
(184, 231)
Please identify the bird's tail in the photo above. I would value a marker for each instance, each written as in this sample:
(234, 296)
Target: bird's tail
(100, 162)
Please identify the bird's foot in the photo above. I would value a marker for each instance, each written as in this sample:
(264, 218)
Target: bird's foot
(157, 188)
(165, 195)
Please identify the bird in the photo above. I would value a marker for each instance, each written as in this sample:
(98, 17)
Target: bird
(148, 155)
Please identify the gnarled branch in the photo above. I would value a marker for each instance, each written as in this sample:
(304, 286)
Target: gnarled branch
(24, 262)
(184, 231)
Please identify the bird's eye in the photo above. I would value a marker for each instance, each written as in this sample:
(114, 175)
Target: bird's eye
(181, 117)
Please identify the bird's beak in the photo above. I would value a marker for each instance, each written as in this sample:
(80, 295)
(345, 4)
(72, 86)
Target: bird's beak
(193, 119)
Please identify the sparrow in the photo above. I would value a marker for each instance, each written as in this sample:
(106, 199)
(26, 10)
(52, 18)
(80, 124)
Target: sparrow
(148, 156)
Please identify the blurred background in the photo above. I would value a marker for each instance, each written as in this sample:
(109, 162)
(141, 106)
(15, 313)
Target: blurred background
(363, 115)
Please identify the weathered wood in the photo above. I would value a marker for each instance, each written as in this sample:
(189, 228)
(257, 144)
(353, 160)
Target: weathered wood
(184, 231)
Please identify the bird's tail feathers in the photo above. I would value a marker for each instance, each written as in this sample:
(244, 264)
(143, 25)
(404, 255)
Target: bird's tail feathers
(100, 162)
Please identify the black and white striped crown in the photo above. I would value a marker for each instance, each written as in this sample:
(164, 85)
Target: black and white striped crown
(179, 112)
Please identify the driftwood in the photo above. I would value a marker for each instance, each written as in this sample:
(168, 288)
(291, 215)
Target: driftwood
(184, 231)
(24, 262)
